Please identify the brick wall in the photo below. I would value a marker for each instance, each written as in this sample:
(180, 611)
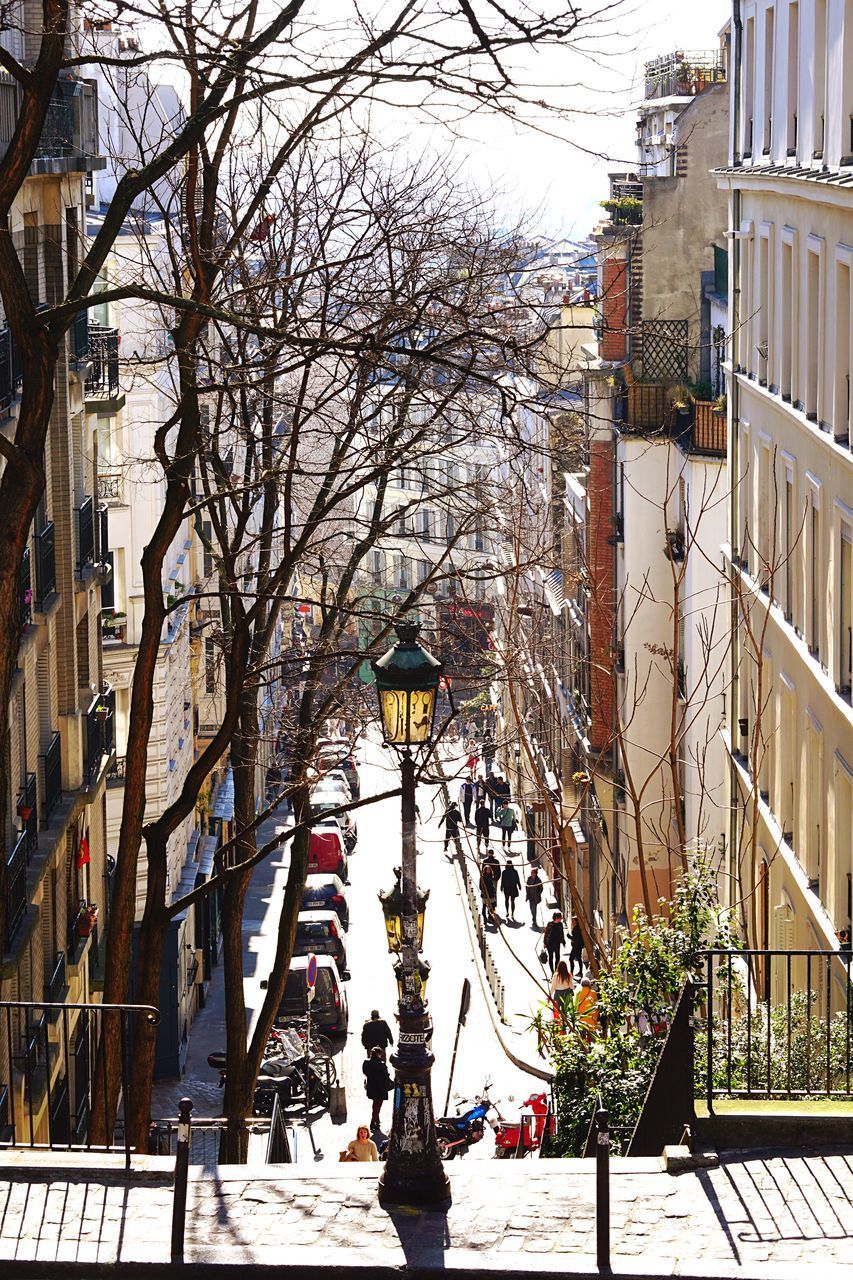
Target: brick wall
(600, 489)
(614, 304)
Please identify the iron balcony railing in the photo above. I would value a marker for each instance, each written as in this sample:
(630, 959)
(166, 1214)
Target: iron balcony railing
(28, 813)
(79, 336)
(26, 589)
(16, 889)
(56, 985)
(85, 536)
(684, 74)
(71, 125)
(775, 1024)
(103, 547)
(11, 369)
(100, 724)
(45, 548)
(52, 774)
(32, 1036)
(102, 376)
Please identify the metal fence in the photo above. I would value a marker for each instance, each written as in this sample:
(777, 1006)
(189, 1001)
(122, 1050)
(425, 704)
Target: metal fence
(775, 1024)
(48, 1077)
(472, 889)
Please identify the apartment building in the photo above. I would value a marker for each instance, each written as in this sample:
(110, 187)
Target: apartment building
(646, 616)
(789, 185)
(61, 714)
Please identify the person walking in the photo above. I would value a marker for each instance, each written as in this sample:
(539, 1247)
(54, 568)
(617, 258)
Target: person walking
(576, 950)
(466, 793)
(377, 1083)
(533, 889)
(482, 822)
(376, 1034)
(554, 939)
(502, 789)
(487, 751)
(491, 793)
(361, 1148)
(587, 1006)
(510, 887)
(562, 990)
(489, 874)
(450, 821)
(508, 823)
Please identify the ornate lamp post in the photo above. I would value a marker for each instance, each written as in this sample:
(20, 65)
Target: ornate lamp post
(407, 679)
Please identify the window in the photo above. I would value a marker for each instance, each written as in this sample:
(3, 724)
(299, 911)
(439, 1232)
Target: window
(814, 343)
(844, 612)
(787, 319)
(815, 829)
(843, 334)
(377, 571)
(762, 327)
(787, 737)
(767, 137)
(209, 665)
(789, 530)
(72, 256)
(207, 540)
(793, 75)
(749, 87)
(403, 572)
(819, 97)
(765, 552)
(816, 585)
(423, 570)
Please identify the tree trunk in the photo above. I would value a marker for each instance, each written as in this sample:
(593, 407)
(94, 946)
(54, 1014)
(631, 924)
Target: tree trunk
(152, 938)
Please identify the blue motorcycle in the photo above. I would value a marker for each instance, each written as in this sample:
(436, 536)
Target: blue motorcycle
(455, 1134)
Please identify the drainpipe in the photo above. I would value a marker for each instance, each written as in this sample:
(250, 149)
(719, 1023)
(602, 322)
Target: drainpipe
(734, 410)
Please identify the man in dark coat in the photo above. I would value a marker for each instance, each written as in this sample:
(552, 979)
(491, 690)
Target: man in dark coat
(510, 887)
(533, 891)
(576, 952)
(482, 821)
(488, 752)
(376, 1034)
(450, 821)
(467, 800)
(554, 939)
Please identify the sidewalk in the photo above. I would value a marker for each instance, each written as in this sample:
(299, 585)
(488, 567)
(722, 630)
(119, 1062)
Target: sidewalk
(514, 979)
(774, 1216)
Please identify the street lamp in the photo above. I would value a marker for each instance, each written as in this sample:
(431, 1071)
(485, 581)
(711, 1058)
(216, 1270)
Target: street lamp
(407, 679)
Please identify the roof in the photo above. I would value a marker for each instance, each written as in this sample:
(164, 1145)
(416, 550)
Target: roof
(828, 177)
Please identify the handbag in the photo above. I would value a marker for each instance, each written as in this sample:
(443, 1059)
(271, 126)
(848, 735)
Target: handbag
(543, 955)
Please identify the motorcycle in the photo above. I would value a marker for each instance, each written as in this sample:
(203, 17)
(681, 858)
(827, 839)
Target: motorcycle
(287, 1076)
(515, 1138)
(456, 1134)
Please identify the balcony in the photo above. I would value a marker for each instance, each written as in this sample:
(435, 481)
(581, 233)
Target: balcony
(45, 548)
(684, 74)
(100, 725)
(26, 589)
(27, 812)
(111, 486)
(52, 778)
(16, 889)
(102, 376)
(709, 434)
(11, 370)
(56, 986)
(69, 140)
(113, 626)
(85, 536)
(79, 336)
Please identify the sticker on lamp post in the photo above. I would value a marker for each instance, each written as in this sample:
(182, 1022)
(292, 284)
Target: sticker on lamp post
(311, 976)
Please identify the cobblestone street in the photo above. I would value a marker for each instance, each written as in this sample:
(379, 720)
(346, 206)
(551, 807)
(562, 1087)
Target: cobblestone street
(752, 1217)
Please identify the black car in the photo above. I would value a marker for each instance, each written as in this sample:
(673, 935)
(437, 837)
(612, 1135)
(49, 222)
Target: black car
(324, 891)
(322, 933)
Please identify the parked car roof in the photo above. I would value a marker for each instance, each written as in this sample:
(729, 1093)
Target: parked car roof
(318, 878)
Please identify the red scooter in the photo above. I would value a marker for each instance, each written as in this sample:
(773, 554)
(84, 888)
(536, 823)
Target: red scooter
(517, 1138)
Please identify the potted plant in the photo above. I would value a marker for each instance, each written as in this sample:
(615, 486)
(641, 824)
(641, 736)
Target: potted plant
(674, 545)
(102, 712)
(721, 403)
(86, 919)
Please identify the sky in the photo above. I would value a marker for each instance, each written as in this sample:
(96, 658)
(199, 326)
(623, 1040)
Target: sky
(557, 183)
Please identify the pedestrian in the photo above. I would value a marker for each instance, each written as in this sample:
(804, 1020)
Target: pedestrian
(487, 751)
(377, 1083)
(466, 795)
(376, 1033)
(361, 1148)
(450, 821)
(491, 794)
(482, 821)
(502, 789)
(533, 889)
(480, 793)
(587, 1006)
(576, 950)
(472, 762)
(510, 887)
(508, 823)
(554, 939)
(489, 874)
(562, 990)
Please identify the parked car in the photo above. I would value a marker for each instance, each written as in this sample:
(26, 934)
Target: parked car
(324, 891)
(323, 799)
(331, 757)
(329, 1007)
(322, 933)
(336, 779)
(327, 852)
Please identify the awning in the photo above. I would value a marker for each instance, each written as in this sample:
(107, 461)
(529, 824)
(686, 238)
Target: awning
(223, 805)
(206, 855)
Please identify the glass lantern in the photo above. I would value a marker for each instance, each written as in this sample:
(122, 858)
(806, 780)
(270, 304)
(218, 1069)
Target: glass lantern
(420, 978)
(392, 910)
(407, 679)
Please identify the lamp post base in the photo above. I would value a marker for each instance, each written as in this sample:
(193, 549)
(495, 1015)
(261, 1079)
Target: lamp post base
(414, 1173)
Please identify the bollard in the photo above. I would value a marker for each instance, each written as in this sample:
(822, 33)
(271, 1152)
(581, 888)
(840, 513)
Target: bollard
(602, 1189)
(182, 1164)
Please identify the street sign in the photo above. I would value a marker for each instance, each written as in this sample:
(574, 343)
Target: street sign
(311, 970)
(312, 991)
